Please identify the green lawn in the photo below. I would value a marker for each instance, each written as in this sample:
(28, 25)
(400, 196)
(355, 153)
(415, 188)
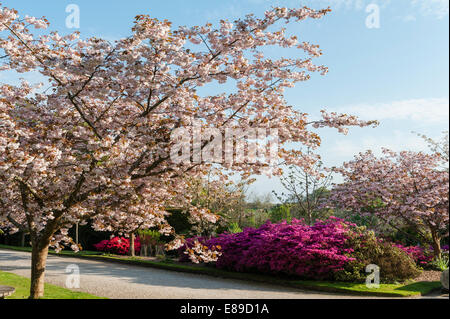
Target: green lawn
(22, 286)
(410, 289)
(388, 290)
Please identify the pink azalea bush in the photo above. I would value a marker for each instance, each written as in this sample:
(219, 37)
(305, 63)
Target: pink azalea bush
(333, 249)
(293, 249)
(296, 248)
(421, 255)
(118, 245)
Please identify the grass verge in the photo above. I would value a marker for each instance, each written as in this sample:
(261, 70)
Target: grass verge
(22, 286)
(411, 289)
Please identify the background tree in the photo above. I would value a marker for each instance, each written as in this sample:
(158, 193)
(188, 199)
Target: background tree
(95, 142)
(305, 189)
(280, 213)
(406, 189)
(218, 194)
(257, 210)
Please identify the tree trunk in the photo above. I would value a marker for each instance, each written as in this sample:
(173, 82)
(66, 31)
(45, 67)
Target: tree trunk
(132, 238)
(38, 260)
(22, 239)
(436, 245)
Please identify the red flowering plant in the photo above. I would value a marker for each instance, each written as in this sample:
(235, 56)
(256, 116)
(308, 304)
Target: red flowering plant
(118, 245)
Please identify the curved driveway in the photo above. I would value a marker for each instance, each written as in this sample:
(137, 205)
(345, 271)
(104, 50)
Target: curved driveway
(114, 280)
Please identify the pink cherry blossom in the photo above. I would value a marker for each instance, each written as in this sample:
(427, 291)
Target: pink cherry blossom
(94, 143)
(405, 189)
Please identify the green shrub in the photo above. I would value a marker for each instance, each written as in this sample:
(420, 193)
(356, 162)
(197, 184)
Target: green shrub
(149, 236)
(395, 264)
(441, 263)
(234, 228)
(280, 213)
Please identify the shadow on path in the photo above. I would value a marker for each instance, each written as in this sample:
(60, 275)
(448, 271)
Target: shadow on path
(56, 267)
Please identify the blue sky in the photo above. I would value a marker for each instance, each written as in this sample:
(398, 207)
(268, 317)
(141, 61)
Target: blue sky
(397, 73)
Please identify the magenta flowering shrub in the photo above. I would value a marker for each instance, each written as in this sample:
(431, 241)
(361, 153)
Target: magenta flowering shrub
(445, 249)
(419, 254)
(333, 249)
(294, 249)
(118, 245)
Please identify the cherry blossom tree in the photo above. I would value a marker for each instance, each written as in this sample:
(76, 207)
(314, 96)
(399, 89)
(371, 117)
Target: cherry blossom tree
(440, 147)
(93, 142)
(401, 189)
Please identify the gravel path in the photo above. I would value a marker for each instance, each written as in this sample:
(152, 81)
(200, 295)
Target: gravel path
(125, 281)
(429, 275)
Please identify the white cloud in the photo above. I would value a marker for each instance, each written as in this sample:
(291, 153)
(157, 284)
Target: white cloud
(398, 120)
(396, 140)
(347, 4)
(345, 148)
(428, 111)
(437, 8)
(14, 78)
(409, 17)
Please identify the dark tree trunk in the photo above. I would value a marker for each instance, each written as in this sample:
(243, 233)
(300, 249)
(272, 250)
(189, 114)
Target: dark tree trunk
(38, 260)
(22, 239)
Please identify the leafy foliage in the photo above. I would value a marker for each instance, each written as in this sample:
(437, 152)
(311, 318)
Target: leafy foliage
(234, 228)
(395, 264)
(280, 213)
(441, 262)
(149, 236)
